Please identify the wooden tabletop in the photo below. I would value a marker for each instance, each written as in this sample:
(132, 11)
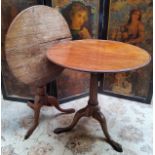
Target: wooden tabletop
(94, 55)
(29, 36)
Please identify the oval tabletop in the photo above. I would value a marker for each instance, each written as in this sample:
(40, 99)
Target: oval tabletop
(29, 36)
(94, 55)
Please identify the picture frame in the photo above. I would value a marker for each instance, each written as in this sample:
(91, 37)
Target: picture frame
(112, 15)
(135, 85)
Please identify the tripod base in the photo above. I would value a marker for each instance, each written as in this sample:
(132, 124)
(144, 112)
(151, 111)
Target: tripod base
(93, 110)
(41, 99)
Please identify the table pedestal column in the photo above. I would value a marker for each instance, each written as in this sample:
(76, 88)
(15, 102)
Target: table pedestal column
(92, 109)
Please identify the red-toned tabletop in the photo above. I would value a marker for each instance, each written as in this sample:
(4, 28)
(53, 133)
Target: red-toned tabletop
(94, 55)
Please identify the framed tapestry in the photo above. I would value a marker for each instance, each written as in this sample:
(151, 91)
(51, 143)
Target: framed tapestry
(83, 18)
(131, 21)
(11, 88)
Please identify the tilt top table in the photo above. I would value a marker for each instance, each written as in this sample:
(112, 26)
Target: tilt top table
(97, 56)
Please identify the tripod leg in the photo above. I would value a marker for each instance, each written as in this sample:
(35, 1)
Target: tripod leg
(37, 108)
(53, 101)
(100, 117)
(76, 118)
(31, 105)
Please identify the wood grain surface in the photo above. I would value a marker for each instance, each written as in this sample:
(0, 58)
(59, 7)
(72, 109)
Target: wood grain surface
(31, 33)
(94, 55)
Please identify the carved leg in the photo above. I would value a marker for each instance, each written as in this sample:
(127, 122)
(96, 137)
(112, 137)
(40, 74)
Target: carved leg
(31, 105)
(76, 118)
(53, 101)
(41, 99)
(92, 109)
(36, 107)
(100, 117)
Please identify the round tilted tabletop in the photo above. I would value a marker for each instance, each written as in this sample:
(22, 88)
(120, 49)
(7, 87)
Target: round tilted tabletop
(94, 55)
(31, 33)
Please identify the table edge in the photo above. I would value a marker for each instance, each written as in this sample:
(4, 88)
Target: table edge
(99, 71)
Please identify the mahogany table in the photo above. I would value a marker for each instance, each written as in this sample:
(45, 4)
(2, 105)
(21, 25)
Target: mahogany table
(97, 56)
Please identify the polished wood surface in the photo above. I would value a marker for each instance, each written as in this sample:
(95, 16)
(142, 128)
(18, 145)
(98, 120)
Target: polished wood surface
(31, 33)
(92, 110)
(94, 55)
